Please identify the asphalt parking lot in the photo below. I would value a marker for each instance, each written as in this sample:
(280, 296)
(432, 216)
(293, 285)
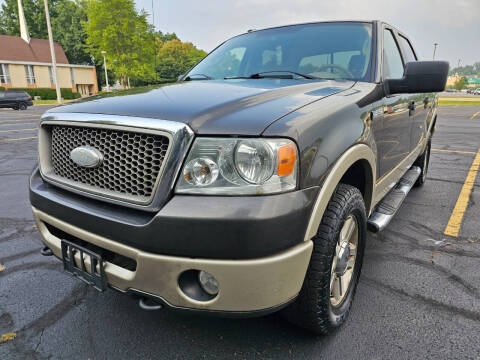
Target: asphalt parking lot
(418, 297)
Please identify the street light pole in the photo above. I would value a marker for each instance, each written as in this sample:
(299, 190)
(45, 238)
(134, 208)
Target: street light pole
(105, 67)
(434, 50)
(52, 50)
(154, 45)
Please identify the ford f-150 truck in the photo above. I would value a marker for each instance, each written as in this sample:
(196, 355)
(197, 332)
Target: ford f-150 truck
(248, 186)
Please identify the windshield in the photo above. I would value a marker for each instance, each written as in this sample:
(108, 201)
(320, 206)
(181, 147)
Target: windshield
(322, 50)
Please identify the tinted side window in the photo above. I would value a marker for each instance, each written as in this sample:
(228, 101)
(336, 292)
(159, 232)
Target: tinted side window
(407, 49)
(392, 60)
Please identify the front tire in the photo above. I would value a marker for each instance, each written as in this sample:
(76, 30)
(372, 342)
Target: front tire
(332, 276)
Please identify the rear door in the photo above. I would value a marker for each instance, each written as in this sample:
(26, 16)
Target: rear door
(2, 99)
(423, 114)
(394, 139)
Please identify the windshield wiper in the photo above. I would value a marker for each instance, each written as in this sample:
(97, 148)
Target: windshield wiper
(264, 74)
(197, 77)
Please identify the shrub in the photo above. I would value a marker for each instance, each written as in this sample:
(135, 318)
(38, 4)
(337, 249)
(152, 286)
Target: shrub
(49, 94)
(2, 88)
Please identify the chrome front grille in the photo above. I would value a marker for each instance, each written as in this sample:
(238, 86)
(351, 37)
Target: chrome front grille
(141, 156)
(131, 167)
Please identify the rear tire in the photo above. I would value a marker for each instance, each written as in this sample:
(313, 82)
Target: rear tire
(423, 162)
(23, 106)
(317, 307)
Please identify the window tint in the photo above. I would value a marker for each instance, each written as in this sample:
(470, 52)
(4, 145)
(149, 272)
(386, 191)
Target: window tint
(328, 50)
(407, 50)
(392, 60)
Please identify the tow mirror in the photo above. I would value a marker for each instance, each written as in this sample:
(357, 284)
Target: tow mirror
(419, 77)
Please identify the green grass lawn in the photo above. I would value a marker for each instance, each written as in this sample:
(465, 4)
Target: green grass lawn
(48, 102)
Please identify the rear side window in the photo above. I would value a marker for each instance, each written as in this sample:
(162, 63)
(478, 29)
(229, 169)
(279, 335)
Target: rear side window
(392, 60)
(407, 49)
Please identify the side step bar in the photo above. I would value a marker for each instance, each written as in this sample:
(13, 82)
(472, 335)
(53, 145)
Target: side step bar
(388, 206)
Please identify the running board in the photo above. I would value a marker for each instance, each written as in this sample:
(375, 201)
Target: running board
(388, 206)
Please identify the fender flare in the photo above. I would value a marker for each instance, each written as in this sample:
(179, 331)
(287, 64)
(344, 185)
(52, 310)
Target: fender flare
(351, 156)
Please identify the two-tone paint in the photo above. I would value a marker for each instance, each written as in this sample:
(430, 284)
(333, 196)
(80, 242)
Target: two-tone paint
(346, 131)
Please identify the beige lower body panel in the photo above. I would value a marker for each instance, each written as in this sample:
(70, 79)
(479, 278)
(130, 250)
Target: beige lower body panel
(245, 285)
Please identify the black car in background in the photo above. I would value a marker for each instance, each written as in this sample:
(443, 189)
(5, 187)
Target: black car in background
(17, 100)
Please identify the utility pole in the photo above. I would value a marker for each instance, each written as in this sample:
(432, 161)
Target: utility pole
(154, 44)
(52, 50)
(105, 67)
(459, 61)
(434, 50)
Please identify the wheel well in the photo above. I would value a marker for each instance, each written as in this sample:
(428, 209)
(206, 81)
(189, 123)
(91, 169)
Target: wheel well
(360, 176)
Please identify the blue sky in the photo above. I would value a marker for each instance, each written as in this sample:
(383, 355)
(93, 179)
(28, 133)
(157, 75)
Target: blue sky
(455, 25)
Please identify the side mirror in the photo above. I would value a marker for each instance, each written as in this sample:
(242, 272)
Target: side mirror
(419, 77)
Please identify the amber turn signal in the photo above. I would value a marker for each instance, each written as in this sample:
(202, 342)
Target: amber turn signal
(286, 159)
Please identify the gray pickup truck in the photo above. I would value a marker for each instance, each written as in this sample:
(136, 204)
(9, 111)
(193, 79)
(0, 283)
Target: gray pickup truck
(248, 186)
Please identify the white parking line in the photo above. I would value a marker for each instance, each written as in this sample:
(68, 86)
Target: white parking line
(18, 139)
(10, 124)
(17, 130)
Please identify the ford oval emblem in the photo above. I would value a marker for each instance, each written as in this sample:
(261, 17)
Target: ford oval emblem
(86, 156)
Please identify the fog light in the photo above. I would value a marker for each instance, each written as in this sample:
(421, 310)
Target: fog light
(208, 282)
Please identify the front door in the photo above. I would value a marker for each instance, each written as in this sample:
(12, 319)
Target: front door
(394, 138)
(422, 108)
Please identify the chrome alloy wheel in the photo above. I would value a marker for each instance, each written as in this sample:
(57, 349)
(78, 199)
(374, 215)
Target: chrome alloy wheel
(344, 261)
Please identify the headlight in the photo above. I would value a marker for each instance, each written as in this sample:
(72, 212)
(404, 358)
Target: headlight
(219, 166)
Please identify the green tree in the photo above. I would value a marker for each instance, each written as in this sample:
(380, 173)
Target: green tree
(66, 17)
(165, 37)
(68, 30)
(116, 27)
(176, 57)
(461, 83)
(34, 14)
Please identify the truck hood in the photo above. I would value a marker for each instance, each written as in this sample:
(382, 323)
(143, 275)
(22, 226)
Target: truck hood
(215, 107)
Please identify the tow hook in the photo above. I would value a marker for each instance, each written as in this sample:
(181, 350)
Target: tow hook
(148, 307)
(46, 251)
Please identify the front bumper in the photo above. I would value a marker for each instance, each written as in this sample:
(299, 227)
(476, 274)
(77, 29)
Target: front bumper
(245, 285)
(209, 227)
